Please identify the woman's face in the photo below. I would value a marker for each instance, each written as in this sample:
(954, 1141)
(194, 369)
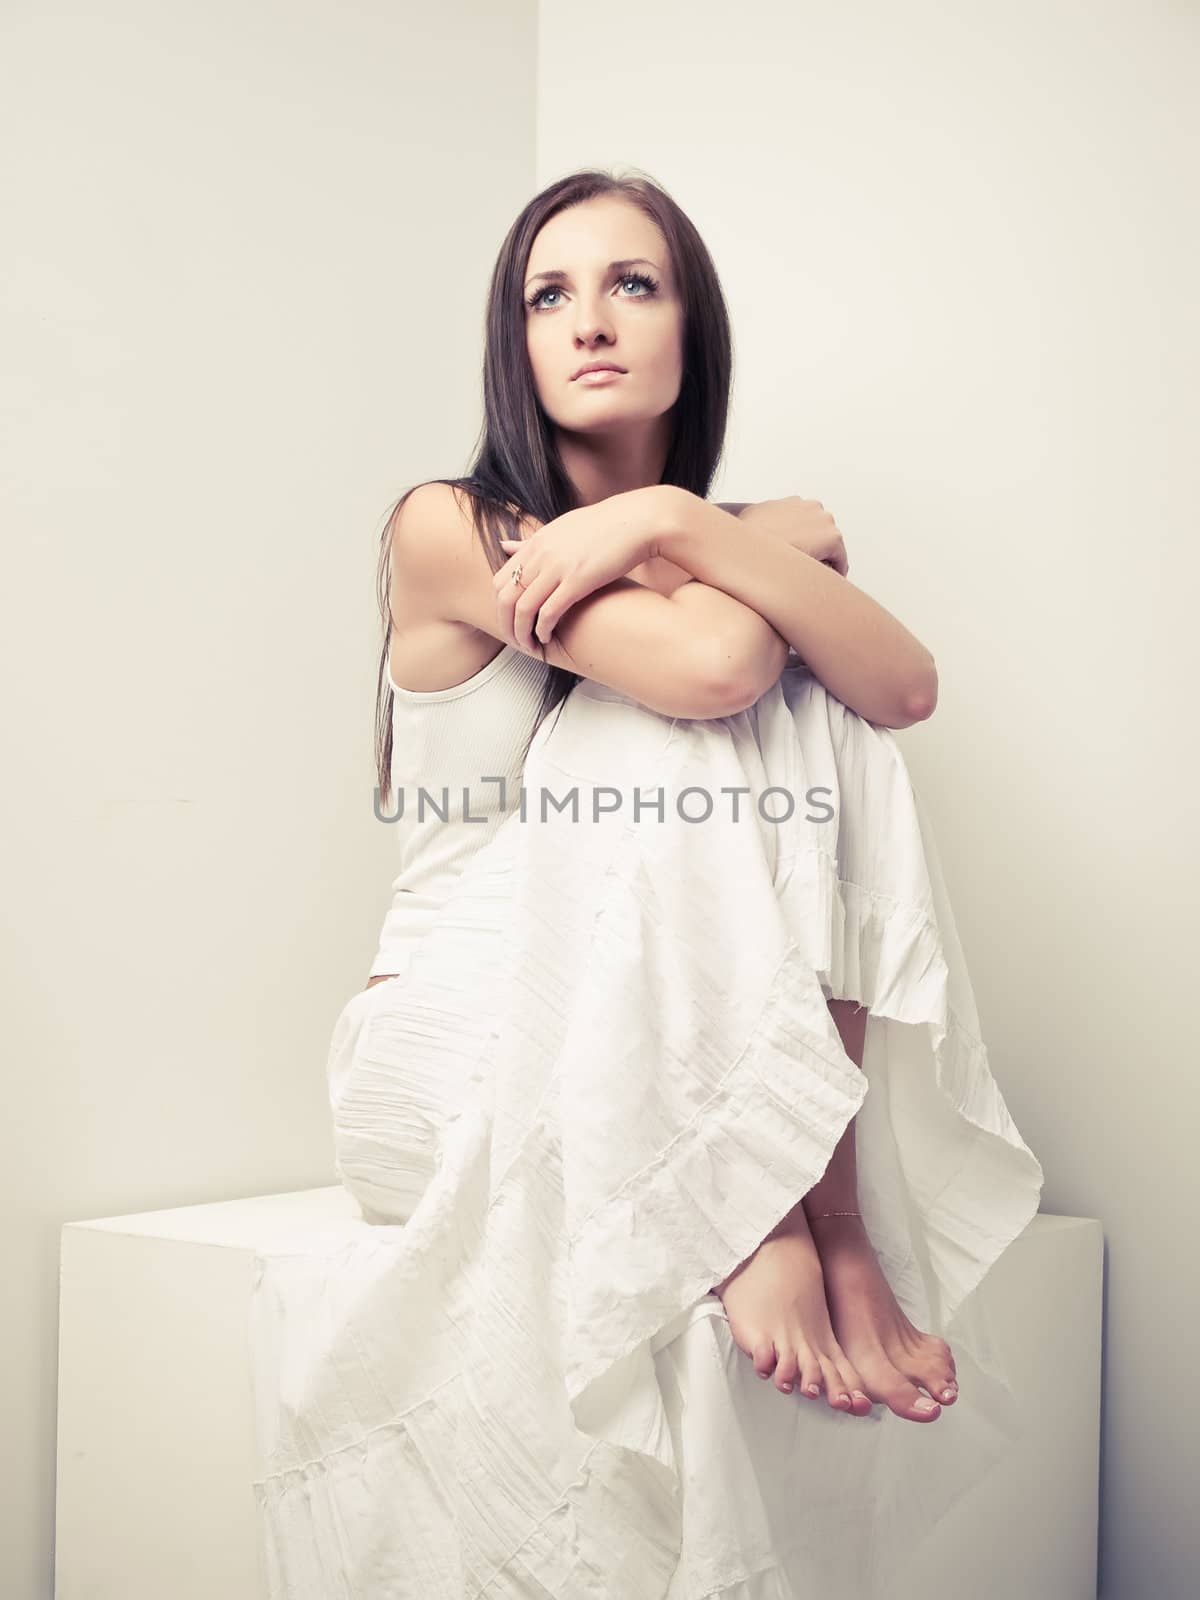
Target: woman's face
(629, 314)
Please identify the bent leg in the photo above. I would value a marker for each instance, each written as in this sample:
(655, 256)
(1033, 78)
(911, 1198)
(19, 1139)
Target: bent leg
(837, 1189)
(892, 1355)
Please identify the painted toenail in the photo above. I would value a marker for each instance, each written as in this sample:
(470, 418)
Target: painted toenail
(924, 1404)
(859, 1395)
(814, 1388)
(947, 1394)
(786, 1387)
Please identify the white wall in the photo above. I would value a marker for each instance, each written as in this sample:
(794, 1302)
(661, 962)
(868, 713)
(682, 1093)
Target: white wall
(961, 251)
(246, 257)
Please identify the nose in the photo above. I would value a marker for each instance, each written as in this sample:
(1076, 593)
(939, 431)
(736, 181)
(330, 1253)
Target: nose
(592, 323)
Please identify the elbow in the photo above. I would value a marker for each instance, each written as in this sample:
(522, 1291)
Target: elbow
(732, 689)
(727, 700)
(915, 702)
(722, 697)
(920, 700)
(722, 692)
(738, 688)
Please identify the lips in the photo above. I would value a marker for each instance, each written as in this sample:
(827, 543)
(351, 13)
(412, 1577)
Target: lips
(599, 366)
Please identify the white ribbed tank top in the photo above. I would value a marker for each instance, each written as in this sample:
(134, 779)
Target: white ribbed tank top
(445, 740)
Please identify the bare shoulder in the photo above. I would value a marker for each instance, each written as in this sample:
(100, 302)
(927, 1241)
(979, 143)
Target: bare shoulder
(434, 554)
(432, 537)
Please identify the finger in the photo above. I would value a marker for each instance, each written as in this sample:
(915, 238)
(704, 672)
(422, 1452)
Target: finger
(524, 621)
(525, 616)
(517, 610)
(560, 600)
(546, 625)
(502, 578)
(504, 620)
(507, 595)
(547, 618)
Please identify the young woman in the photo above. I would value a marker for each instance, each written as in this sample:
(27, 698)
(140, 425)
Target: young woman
(580, 564)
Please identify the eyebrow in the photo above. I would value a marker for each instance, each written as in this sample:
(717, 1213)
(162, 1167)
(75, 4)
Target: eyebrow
(557, 275)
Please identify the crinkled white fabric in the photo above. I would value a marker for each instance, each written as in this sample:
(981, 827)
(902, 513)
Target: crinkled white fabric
(607, 1072)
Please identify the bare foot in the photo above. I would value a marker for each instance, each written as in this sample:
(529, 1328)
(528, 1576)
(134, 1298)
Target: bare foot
(892, 1356)
(778, 1316)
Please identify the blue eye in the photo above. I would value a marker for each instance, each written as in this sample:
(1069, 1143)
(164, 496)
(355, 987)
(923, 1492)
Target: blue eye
(649, 284)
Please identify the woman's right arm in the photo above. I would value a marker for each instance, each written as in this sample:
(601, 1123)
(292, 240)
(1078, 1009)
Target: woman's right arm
(697, 653)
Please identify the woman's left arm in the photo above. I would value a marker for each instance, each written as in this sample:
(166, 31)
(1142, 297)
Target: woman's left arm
(861, 653)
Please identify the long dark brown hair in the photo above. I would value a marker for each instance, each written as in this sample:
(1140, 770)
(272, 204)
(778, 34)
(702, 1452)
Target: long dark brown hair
(517, 468)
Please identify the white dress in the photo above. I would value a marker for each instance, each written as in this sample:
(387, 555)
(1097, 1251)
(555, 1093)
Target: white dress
(606, 1074)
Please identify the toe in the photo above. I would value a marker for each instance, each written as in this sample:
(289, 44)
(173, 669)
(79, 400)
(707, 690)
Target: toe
(945, 1387)
(836, 1392)
(787, 1369)
(906, 1400)
(937, 1381)
(932, 1368)
(764, 1357)
(810, 1376)
(860, 1401)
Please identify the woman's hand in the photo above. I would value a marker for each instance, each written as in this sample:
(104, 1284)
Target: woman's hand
(570, 557)
(804, 524)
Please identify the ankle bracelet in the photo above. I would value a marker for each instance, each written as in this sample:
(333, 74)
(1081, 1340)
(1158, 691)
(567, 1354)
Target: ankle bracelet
(821, 1214)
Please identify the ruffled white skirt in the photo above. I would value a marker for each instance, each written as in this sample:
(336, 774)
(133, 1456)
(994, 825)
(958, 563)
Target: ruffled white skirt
(606, 1074)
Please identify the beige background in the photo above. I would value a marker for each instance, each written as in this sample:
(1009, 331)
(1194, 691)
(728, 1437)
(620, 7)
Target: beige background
(246, 257)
